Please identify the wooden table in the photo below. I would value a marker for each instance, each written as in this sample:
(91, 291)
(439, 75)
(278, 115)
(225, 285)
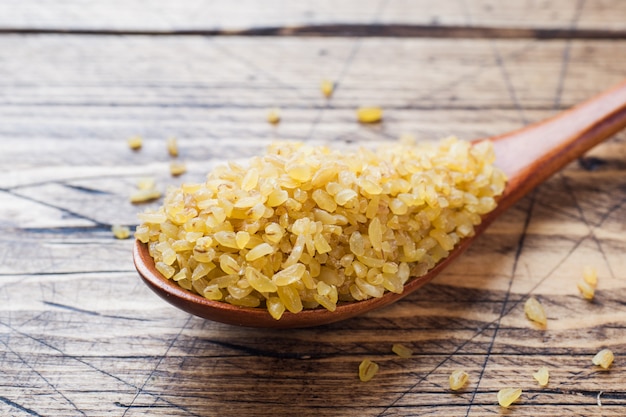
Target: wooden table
(81, 335)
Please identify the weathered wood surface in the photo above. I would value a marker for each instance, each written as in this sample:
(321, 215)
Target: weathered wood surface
(81, 335)
(223, 15)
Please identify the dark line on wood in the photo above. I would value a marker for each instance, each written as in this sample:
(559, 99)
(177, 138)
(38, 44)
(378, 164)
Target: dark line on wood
(141, 389)
(50, 205)
(507, 296)
(66, 230)
(85, 189)
(349, 30)
(590, 227)
(89, 312)
(43, 378)
(19, 407)
(44, 274)
(89, 365)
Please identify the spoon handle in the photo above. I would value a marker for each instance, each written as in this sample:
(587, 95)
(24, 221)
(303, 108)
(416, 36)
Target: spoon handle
(532, 154)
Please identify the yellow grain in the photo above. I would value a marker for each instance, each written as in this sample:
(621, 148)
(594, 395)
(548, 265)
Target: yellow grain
(401, 350)
(273, 116)
(135, 142)
(172, 147)
(458, 378)
(590, 275)
(542, 376)
(586, 290)
(604, 358)
(369, 114)
(120, 232)
(144, 196)
(535, 312)
(177, 168)
(327, 88)
(508, 396)
(367, 370)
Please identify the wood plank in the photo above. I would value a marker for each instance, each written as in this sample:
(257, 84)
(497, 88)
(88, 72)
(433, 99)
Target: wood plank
(225, 16)
(81, 335)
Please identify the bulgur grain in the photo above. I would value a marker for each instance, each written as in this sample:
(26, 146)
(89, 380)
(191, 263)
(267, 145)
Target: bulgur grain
(590, 276)
(327, 88)
(273, 116)
(144, 196)
(367, 370)
(324, 226)
(172, 147)
(369, 114)
(177, 168)
(604, 358)
(535, 312)
(120, 232)
(458, 378)
(508, 396)
(542, 376)
(135, 142)
(586, 290)
(401, 350)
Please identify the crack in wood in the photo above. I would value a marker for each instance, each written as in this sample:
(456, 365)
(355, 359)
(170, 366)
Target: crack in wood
(20, 407)
(392, 30)
(89, 312)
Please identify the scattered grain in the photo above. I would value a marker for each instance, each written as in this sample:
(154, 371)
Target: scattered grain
(177, 168)
(327, 88)
(590, 275)
(458, 379)
(172, 147)
(542, 376)
(535, 312)
(369, 114)
(120, 232)
(135, 142)
(273, 116)
(367, 370)
(401, 350)
(586, 290)
(508, 396)
(604, 358)
(144, 196)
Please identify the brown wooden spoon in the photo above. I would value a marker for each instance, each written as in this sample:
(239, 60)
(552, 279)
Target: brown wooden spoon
(528, 156)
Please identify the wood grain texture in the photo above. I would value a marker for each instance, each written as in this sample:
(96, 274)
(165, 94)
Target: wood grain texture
(224, 16)
(81, 335)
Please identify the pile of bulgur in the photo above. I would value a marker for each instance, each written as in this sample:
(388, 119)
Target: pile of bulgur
(306, 226)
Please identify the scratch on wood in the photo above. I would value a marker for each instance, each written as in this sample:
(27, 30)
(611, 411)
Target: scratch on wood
(141, 390)
(350, 30)
(42, 377)
(19, 407)
(91, 313)
(85, 189)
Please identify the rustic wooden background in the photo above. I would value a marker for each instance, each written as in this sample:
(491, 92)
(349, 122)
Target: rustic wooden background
(80, 335)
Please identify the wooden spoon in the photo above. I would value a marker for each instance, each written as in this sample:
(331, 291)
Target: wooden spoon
(528, 156)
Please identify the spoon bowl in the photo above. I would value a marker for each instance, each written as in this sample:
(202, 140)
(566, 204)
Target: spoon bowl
(528, 156)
